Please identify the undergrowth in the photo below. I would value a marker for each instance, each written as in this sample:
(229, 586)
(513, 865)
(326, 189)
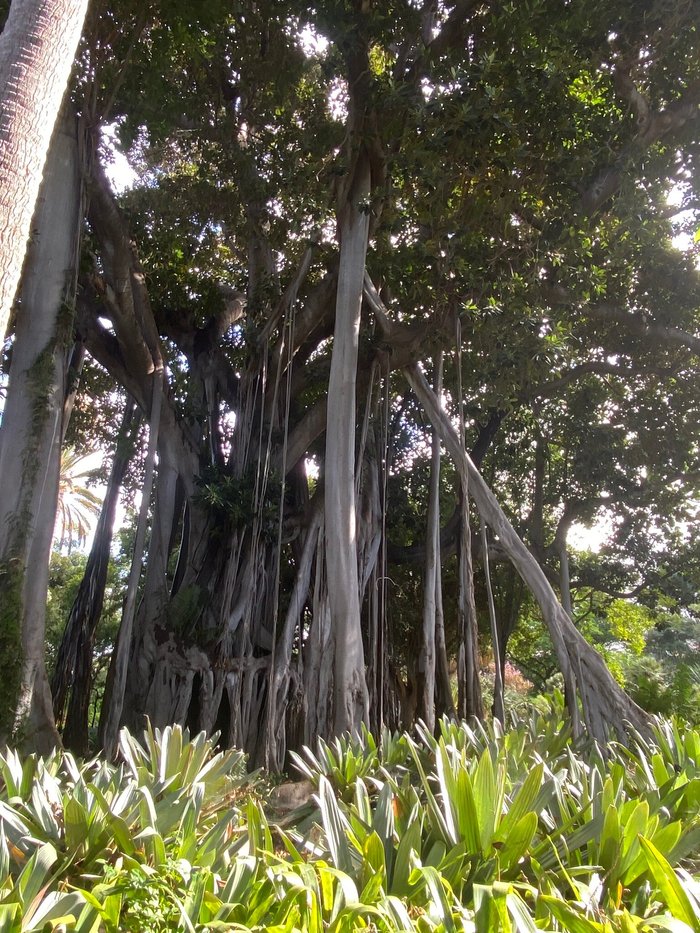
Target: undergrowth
(472, 830)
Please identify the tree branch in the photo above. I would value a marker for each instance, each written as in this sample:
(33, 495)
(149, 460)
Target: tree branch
(655, 126)
(637, 322)
(627, 89)
(640, 324)
(123, 284)
(454, 29)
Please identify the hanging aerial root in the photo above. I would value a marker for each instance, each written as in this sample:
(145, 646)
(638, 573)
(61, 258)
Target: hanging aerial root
(606, 707)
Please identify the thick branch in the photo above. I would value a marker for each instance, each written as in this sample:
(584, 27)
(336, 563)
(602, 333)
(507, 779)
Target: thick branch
(627, 89)
(455, 28)
(123, 285)
(640, 324)
(595, 367)
(653, 127)
(104, 347)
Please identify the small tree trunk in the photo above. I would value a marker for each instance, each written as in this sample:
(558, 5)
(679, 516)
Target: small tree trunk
(143, 680)
(113, 703)
(426, 658)
(469, 701)
(72, 677)
(498, 698)
(565, 579)
(443, 688)
(318, 673)
(536, 522)
(508, 616)
(37, 49)
(275, 736)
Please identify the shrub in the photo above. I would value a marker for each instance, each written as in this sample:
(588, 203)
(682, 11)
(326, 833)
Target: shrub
(475, 829)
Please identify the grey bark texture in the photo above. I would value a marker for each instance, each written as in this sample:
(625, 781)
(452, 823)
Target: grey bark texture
(606, 707)
(427, 657)
(32, 429)
(351, 701)
(37, 49)
(72, 678)
(116, 684)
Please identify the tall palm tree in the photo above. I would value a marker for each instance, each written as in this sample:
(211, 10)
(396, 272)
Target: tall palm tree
(78, 506)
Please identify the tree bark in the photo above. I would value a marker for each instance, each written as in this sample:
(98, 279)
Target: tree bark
(498, 709)
(72, 677)
(37, 48)
(151, 618)
(565, 579)
(113, 703)
(427, 656)
(469, 700)
(351, 702)
(444, 701)
(30, 442)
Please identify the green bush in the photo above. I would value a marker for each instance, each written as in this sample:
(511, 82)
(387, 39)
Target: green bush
(475, 830)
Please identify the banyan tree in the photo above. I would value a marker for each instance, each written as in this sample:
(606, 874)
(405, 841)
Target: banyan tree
(366, 238)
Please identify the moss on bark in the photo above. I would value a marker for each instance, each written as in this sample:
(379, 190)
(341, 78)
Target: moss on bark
(11, 580)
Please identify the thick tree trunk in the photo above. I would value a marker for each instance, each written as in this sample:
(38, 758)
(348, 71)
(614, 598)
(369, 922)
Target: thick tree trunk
(37, 48)
(350, 698)
(30, 445)
(606, 706)
(72, 679)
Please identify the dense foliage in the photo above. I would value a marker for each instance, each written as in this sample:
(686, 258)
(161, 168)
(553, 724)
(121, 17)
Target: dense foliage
(473, 830)
(401, 295)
